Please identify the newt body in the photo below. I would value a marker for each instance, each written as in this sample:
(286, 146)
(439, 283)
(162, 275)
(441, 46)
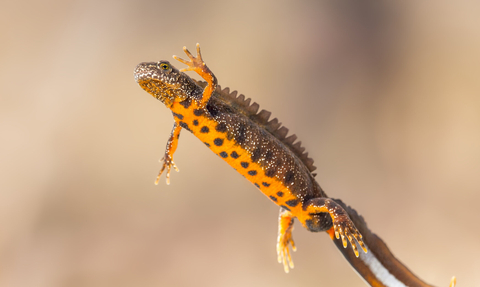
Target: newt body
(257, 148)
(254, 152)
(261, 151)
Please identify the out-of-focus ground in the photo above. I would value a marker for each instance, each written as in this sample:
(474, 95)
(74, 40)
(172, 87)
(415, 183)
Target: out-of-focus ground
(385, 96)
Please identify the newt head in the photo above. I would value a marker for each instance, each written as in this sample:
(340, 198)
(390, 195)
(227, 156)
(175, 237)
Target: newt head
(164, 82)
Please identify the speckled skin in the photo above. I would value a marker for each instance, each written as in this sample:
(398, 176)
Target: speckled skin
(238, 135)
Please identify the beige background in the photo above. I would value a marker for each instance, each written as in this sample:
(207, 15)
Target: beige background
(386, 98)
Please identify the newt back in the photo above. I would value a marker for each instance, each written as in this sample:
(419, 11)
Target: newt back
(245, 106)
(281, 165)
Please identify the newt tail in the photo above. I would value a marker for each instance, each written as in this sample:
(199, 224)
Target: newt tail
(257, 148)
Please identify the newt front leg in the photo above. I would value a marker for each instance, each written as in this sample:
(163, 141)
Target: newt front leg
(169, 150)
(198, 65)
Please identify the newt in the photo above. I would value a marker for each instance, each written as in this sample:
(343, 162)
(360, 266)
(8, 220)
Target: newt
(260, 150)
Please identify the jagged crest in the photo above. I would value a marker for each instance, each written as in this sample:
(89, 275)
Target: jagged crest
(261, 118)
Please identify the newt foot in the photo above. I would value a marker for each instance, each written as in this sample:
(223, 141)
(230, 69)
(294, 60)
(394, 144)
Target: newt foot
(345, 229)
(283, 252)
(168, 164)
(195, 64)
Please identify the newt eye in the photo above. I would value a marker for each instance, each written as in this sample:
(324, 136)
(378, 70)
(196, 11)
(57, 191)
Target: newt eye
(164, 66)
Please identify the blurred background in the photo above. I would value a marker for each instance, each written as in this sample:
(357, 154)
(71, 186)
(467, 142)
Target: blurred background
(385, 96)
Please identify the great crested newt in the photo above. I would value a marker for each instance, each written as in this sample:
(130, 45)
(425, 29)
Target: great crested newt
(260, 150)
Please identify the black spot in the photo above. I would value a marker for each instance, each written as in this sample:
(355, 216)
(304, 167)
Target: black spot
(289, 177)
(266, 184)
(195, 122)
(204, 129)
(256, 184)
(257, 153)
(280, 193)
(198, 112)
(207, 144)
(218, 141)
(273, 198)
(212, 110)
(179, 116)
(240, 135)
(270, 172)
(234, 154)
(185, 126)
(186, 104)
(252, 172)
(221, 127)
(292, 203)
(285, 207)
(223, 154)
(244, 164)
(268, 155)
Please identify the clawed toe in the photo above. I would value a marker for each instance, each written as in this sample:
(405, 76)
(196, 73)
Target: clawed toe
(194, 62)
(283, 251)
(347, 231)
(167, 164)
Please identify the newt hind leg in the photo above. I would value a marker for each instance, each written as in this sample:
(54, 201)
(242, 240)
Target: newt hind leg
(285, 227)
(343, 226)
